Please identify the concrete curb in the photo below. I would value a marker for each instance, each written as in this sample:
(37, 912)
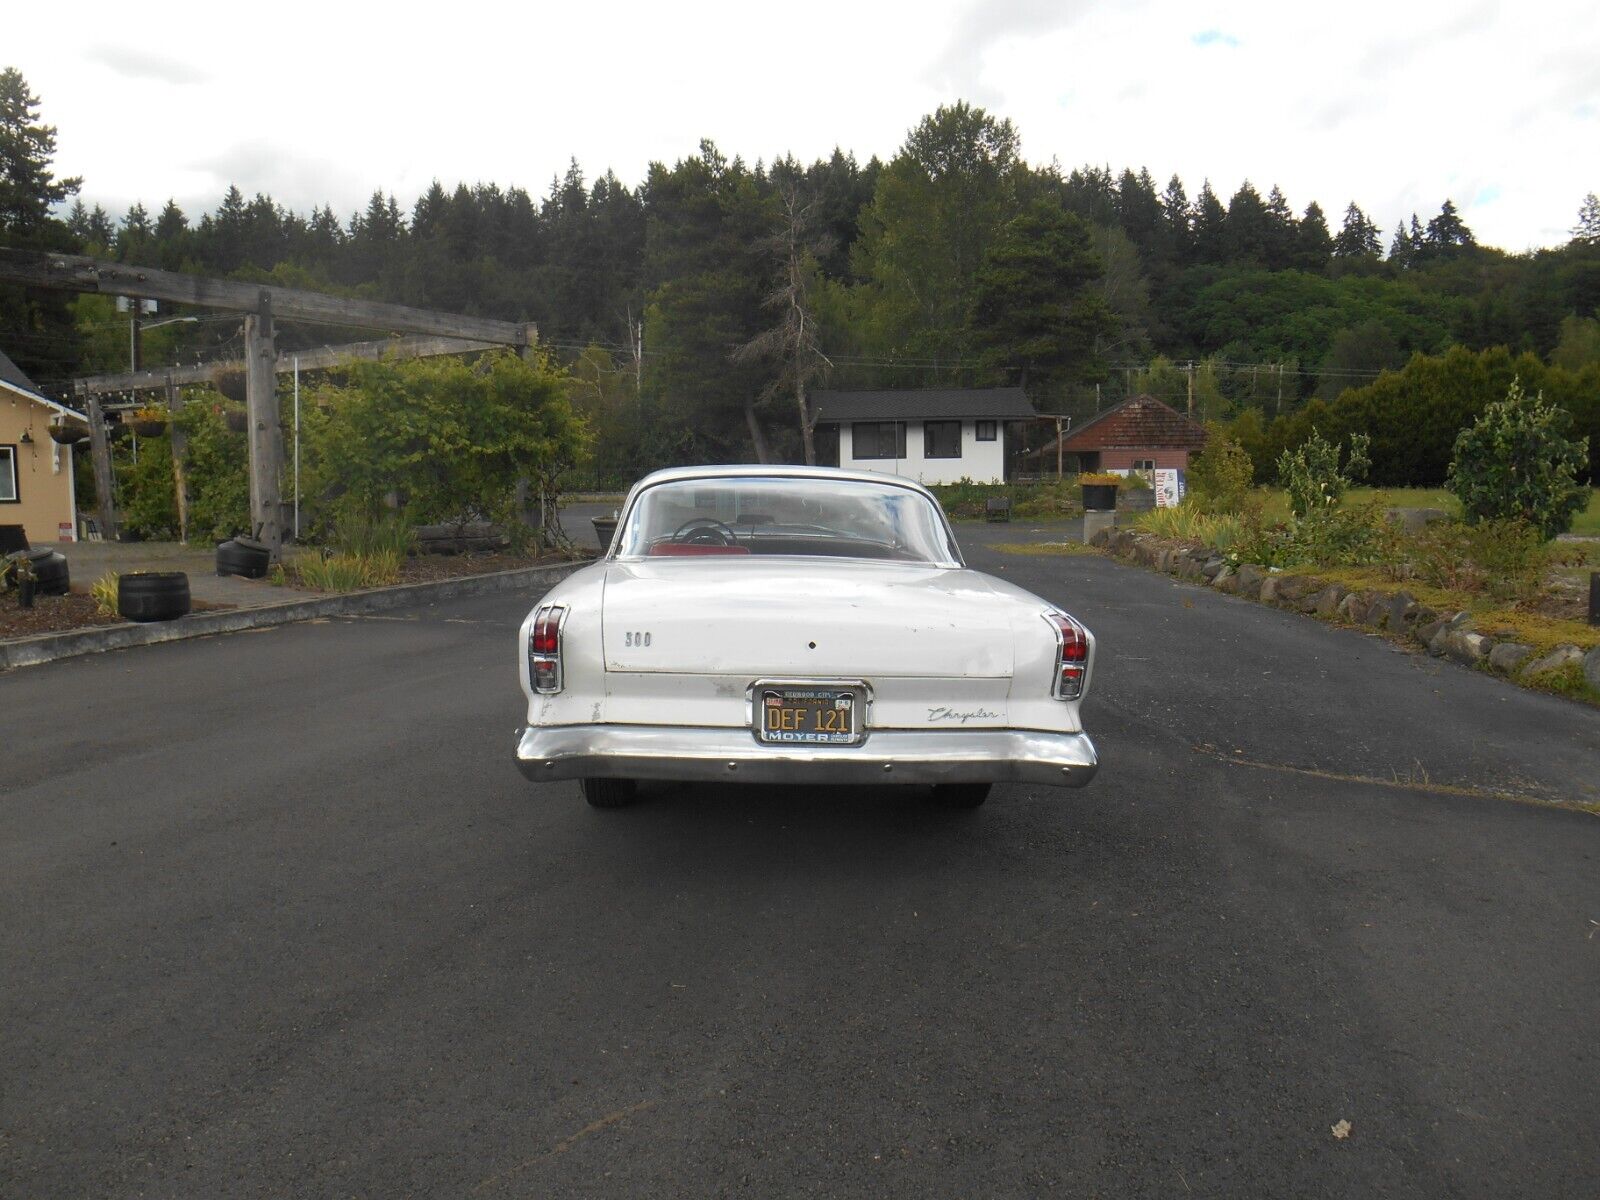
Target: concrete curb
(47, 647)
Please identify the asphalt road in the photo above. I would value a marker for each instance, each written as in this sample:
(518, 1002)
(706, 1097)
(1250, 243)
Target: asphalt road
(278, 917)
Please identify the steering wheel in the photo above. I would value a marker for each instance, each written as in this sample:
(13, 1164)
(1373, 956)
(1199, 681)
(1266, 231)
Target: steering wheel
(704, 531)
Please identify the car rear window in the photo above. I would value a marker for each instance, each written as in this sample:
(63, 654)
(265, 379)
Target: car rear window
(736, 517)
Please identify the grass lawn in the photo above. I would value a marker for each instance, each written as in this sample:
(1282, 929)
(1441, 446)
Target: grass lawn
(1277, 503)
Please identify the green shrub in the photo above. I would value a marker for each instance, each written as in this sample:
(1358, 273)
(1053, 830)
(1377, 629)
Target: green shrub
(1219, 477)
(148, 499)
(1311, 473)
(1515, 463)
(104, 591)
(1501, 559)
(1332, 536)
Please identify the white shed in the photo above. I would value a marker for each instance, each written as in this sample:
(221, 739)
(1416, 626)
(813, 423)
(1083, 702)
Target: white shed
(934, 435)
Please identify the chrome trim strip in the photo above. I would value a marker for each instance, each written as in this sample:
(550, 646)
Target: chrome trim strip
(693, 754)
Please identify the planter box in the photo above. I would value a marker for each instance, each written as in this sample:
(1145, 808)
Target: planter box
(1099, 497)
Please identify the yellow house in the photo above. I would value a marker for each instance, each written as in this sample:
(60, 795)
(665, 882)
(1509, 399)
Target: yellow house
(35, 472)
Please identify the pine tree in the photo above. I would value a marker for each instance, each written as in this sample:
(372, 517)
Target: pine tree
(1178, 220)
(1249, 229)
(1403, 251)
(1447, 234)
(1358, 237)
(1313, 245)
(1210, 227)
(1587, 229)
(1281, 245)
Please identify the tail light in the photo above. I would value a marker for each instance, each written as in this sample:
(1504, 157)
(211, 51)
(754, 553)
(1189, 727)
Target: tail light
(544, 649)
(1072, 656)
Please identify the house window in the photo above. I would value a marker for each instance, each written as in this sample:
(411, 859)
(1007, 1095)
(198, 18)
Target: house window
(1144, 464)
(8, 475)
(941, 439)
(988, 431)
(878, 439)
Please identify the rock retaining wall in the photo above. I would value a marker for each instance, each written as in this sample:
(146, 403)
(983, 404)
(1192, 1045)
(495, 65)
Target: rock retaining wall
(1398, 614)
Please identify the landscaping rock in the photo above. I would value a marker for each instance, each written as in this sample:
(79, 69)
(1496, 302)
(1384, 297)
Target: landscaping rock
(1420, 615)
(1591, 668)
(1439, 643)
(1414, 520)
(1402, 608)
(1225, 580)
(1102, 537)
(1467, 647)
(1559, 657)
(1459, 621)
(1212, 568)
(1269, 589)
(1508, 656)
(1352, 608)
(1250, 577)
(1425, 633)
(1328, 600)
(1377, 613)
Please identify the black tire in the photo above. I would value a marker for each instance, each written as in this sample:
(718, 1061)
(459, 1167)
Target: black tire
(153, 595)
(243, 557)
(609, 793)
(50, 573)
(961, 795)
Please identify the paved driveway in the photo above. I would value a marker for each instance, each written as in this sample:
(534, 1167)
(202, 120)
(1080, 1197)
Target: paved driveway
(278, 917)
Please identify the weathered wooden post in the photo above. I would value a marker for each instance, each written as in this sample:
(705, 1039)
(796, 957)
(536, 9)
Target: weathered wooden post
(180, 449)
(1594, 597)
(266, 430)
(104, 480)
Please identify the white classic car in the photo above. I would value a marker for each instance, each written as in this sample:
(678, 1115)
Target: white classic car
(798, 625)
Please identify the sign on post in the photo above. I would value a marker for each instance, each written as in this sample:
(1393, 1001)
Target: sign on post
(1169, 485)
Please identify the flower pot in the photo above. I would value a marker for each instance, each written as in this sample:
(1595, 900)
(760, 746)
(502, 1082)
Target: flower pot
(1099, 497)
(153, 595)
(68, 435)
(605, 529)
(149, 429)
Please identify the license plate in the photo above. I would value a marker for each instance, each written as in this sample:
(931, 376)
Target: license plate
(812, 714)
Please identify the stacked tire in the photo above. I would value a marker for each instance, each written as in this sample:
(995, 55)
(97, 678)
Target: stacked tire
(243, 556)
(153, 595)
(49, 571)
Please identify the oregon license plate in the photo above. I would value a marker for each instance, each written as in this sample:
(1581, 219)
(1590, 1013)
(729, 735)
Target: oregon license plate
(807, 713)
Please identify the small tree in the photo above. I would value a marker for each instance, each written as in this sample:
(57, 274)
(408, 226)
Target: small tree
(1515, 463)
(1311, 473)
(1219, 477)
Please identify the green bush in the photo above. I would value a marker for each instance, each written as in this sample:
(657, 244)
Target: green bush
(1219, 477)
(217, 468)
(1515, 463)
(359, 532)
(148, 500)
(1332, 536)
(1311, 473)
(347, 572)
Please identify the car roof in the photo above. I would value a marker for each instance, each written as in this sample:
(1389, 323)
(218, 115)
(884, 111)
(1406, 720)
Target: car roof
(774, 471)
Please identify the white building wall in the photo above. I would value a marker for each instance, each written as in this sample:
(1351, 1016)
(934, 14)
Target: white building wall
(981, 462)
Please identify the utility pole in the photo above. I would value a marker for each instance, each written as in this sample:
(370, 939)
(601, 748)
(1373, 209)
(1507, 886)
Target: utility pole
(135, 358)
(1191, 388)
(266, 430)
(1279, 409)
(100, 450)
(180, 447)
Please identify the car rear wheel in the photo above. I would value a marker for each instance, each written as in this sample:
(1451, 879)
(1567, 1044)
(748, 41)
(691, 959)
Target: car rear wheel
(961, 795)
(609, 793)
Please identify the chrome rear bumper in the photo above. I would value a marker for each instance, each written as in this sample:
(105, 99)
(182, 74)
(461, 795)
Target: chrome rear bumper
(547, 753)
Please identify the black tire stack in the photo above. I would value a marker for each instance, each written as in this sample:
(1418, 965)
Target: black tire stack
(153, 595)
(49, 571)
(243, 556)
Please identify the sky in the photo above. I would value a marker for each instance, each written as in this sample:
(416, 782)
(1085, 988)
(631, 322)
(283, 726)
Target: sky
(1396, 105)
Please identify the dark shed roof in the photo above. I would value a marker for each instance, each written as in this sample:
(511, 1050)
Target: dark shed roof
(923, 404)
(12, 374)
(1135, 424)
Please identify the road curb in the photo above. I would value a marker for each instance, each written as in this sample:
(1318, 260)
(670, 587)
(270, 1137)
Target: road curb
(48, 647)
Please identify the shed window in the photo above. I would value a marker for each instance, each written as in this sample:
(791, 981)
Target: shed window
(8, 475)
(878, 439)
(988, 431)
(941, 439)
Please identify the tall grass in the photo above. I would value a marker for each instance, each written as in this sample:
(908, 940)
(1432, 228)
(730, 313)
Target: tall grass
(1187, 523)
(347, 572)
(365, 534)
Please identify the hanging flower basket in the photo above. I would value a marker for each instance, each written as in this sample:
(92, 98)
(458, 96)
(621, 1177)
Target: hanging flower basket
(230, 384)
(148, 429)
(68, 435)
